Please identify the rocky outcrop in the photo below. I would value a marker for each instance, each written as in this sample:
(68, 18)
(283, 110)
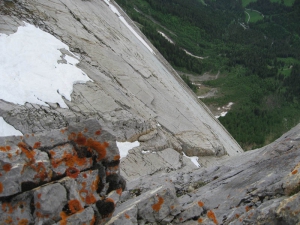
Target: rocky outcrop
(62, 175)
(258, 187)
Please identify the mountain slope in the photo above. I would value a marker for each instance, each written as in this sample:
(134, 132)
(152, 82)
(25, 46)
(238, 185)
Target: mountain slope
(112, 56)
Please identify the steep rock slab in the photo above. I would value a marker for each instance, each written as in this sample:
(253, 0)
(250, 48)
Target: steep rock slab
(132, 87)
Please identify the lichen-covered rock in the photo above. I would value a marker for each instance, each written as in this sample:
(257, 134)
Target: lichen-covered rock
(158, 204)
(83, 216)
(63, 178)
(17, 211)
(259, 187)
(22, 167)
(49, 202)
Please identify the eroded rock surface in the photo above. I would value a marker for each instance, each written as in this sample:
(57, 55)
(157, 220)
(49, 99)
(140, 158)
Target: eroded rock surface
(60, 175)
(258, 187)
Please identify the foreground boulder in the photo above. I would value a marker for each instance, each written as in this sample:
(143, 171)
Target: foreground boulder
(50, 176)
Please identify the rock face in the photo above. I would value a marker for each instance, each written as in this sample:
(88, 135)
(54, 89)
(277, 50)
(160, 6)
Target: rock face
(65, 169)
(257, 187)
(48, 177)
(132, 89)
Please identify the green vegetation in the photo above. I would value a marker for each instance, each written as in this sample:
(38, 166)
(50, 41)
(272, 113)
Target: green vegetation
(246, 2)
(285, 2)
(254, 16)
(259, 63)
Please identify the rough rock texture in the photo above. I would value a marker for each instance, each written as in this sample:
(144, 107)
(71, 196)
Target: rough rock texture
(257, 187)
(132, 90)
(50, 176)
(65, 169)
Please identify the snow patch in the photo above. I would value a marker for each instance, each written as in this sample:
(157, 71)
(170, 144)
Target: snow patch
(30, 71)
(225, 110)
(166, 37)
(124, 147)
(145, 152)
(7, 129)
(194, 159)
(115, 10)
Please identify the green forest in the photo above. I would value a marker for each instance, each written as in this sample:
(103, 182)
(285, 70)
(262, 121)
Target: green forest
(255, 44)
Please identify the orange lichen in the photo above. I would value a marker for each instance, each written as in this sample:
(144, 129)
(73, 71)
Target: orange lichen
(52, 153)
(85, 130)
(7, 167)
(23, 222)
(29, 154)
(6, 207)
(80, 139)
(98, 132)
(90, 199)
(38, 205)
(201, 204)
(119, 191)
(172, 207)
(94, 186)
(117, 157)
(72, 172)
(247, 208)
(87, 197)
(200, 220)
(93, 220)
(39, 215)
(9, 220)
(99, 147)
(84, 175)
(1, 187)
(9, 155)
(70, 160)
(156, 207)
(41, 171)
(237, 216)
(64, 217)
(211, 215)
(127, 216)
(75, 206)
(39, 195)
(0, 174)
(294, 172)
(63, 131)
(36, 145)
(5, 148)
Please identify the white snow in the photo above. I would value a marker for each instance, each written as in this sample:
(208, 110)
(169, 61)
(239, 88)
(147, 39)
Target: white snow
(124, 147)
(115, 10)
(225, 109)
(145, 152)
(198, 57)
(194, 159)
(166, 37)
(7, 129)
(29, 69)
